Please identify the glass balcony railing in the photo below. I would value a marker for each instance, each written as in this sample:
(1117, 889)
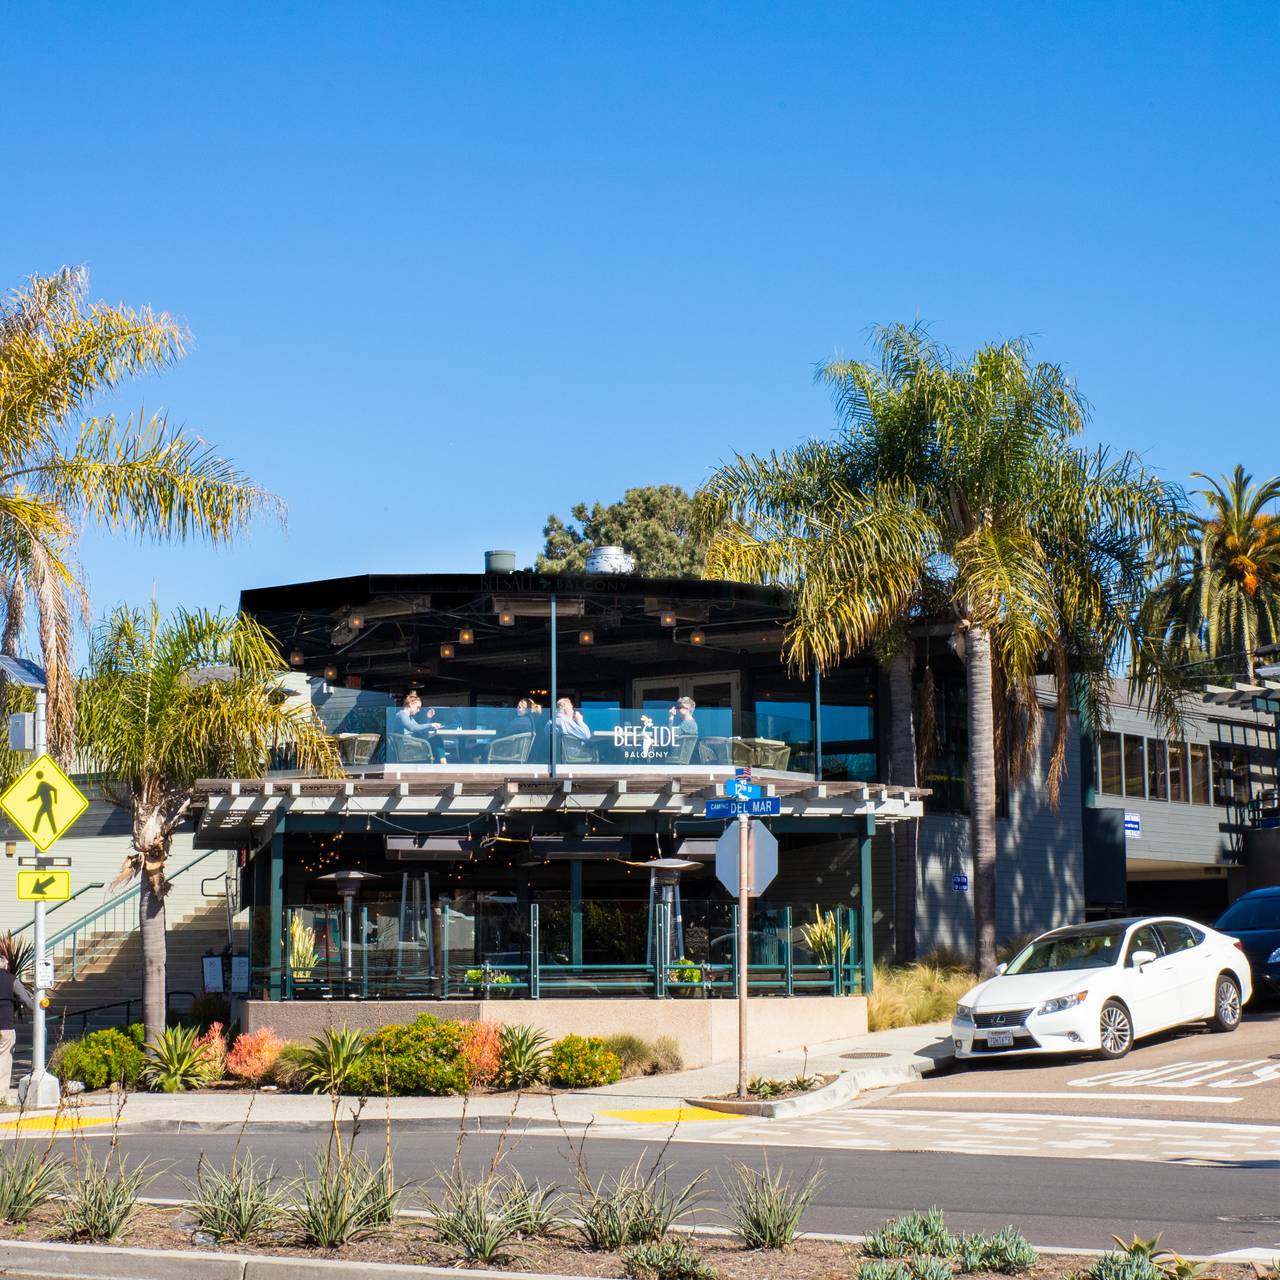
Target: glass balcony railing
(654, 736)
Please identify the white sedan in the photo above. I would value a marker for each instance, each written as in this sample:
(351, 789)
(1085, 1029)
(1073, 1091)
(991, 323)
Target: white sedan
(1099, 987)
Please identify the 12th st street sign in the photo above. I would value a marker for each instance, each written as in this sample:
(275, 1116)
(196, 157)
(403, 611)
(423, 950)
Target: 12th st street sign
(44, 804)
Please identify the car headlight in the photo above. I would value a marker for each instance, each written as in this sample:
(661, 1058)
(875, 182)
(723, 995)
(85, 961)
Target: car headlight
(1062, 1002)
(964, 1013)
(1274, 957)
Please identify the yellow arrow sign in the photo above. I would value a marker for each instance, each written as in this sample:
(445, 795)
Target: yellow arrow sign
(44, 803)
(44, 886)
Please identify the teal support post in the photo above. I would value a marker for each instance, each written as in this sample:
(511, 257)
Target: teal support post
(575, 912)
(275, 911)
(817, 722)
(288, 964)
(535, 953)
(444, 949)
(660, 952)
(837, 966)
(865, 913)
(787, 956)
(364, 951)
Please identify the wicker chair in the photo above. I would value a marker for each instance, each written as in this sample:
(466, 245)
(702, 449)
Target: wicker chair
(512, 749)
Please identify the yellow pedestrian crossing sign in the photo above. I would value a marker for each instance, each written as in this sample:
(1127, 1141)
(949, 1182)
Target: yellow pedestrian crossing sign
(44, 886)
(44, 803)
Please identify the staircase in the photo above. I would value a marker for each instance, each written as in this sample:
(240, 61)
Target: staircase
(98, 958)
(109, 981)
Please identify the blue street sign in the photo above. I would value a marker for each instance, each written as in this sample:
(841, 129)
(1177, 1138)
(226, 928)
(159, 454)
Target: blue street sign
(960, 883)
(765, 807)
(742, 789)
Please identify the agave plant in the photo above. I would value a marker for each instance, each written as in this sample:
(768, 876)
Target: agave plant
(176, 1061)
(332, 1059)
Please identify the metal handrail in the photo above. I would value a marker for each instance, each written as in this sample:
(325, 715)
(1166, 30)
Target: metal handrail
(126, 1005)
(73, 931)
(97, 884)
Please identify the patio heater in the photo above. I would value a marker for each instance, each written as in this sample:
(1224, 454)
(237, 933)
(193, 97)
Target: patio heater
(348, 885)
(664, 895)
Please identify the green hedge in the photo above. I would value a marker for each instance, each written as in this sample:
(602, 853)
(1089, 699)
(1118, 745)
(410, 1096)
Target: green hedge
(423, 1057)
(108, 1057)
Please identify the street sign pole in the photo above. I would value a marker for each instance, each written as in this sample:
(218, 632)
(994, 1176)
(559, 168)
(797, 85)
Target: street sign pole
(744, 904)
(42, 1088)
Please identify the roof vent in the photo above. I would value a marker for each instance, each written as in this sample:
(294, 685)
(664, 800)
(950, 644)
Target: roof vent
(610, 560)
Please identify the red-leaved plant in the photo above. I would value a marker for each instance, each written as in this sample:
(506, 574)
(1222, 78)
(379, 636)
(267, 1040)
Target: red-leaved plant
(254, 1054)
(482, 1051)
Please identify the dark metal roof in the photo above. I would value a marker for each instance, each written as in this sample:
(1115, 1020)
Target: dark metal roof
(333, 593)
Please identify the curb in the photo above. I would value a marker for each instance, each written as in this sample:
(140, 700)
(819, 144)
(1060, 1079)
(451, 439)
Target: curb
(847, 1085)
(420, 1124)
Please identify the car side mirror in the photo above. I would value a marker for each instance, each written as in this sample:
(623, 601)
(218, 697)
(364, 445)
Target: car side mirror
(1000, 968)
(1140, 958)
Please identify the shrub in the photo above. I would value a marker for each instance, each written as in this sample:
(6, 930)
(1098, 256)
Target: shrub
(213, 1047)
(673, 1259)
(913, 1234)
(206, 1010)
(290, 1070)
(825, 939)
(99, 1059)
(535, 1209)
(880, 1269)
(1122, 1265)
(254, 1054)
(641, 1057)
(100, 1202)
(331, 1062)
(581, 1062)
(765, 1207)
(634, 1207)
(1006, 1252)
(176, 1061)
(924, 1266)
(29, 1179)
(423, 1058)
(909, 995)
(482, 1051)
(239, 1203)
(472, 1215)
(342, 1198)
(522, 1053)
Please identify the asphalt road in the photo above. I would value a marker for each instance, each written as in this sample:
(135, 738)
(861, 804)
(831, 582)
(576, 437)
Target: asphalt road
(1063, 1202)
(1188, 1074)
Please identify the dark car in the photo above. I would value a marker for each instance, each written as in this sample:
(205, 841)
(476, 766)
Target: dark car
(1255, 920)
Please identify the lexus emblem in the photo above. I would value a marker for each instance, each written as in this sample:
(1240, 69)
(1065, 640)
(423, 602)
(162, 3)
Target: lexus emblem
(998, 1020)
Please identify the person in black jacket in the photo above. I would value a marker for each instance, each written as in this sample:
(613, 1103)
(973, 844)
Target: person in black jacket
(11, 989)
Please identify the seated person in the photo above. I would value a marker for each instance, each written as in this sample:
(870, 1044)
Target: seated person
(569, 722)
(680, 717)
(407, 721)
(525, 718)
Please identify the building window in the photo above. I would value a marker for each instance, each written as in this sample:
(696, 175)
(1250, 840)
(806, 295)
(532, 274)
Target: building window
(1199, 773)
(1157, 775)
(1109, 770)
(1178, 772)
(1230, 775)
(946, 754)
(1135, 767)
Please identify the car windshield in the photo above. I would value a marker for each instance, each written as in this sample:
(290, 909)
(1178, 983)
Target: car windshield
(1068, 951)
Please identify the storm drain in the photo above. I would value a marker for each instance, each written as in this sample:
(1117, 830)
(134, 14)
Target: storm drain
(864, 1055)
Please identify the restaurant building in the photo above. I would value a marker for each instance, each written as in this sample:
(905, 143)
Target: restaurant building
(531, 826)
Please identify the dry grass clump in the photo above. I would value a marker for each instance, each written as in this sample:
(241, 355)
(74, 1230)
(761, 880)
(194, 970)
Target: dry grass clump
(908, 995)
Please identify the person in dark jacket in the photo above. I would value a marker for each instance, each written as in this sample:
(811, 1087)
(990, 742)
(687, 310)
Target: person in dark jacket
(11, 989)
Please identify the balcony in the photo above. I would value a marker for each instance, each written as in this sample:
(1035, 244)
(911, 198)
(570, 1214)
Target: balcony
(606, 738)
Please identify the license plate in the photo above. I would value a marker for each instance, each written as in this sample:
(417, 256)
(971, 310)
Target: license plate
(1000, 1039)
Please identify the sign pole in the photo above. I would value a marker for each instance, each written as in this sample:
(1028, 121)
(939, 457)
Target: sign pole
(744, 903)
(42, 1088)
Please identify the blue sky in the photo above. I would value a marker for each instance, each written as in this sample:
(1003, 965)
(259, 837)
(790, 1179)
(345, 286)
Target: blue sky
(450, 268)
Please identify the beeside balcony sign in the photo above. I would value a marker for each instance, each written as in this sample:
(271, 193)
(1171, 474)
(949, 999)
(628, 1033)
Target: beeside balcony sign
(762, 807)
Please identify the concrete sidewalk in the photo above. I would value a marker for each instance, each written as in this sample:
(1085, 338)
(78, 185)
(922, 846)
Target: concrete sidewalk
(872, 1061)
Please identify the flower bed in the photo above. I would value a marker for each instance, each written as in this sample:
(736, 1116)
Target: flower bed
(428, 1057)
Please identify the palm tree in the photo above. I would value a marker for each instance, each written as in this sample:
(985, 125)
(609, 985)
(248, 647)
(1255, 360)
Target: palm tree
(58, 353)
(970, 492)
(1223, 597)
(165, 703)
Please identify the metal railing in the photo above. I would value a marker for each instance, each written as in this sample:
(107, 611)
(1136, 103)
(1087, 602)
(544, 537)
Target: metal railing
(57, 906)
(87, 937)
(127, 1005)
(781, 963)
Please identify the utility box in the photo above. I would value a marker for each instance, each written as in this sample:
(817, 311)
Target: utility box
(22, 731)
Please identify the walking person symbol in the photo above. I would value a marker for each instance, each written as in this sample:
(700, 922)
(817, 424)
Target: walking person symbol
(47, 794)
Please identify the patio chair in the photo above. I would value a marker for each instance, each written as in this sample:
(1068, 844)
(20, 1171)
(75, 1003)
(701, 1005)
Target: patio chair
(576, 751)
(404, 749)
(683, 751)
(512, 749)
(714, 750)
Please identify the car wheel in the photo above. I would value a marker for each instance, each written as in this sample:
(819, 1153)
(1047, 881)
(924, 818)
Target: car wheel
(1226, 1004)
(1116, 1030)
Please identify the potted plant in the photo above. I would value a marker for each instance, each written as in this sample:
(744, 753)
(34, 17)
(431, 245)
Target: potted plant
(485, 978)
(684, 978)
